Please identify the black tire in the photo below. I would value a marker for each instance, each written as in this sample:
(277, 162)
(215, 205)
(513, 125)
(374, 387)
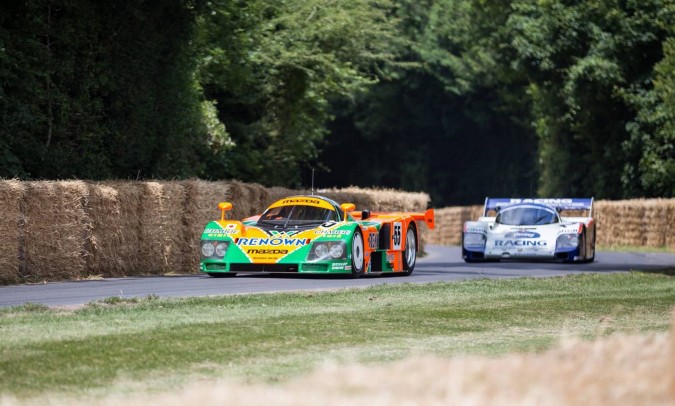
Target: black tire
(358, 256)
(221, 274)
(592, 258)
(410, 251)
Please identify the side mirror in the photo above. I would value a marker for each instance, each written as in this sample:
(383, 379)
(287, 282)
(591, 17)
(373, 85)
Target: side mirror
(224, 206)
(346, 208)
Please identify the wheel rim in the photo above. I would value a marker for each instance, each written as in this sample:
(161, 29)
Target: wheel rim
(357, 252)
(410, 248)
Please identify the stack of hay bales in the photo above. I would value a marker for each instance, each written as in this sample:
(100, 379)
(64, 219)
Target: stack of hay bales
(450, 223)
(56, 228)
(379, 199)
(161, 212)
(636, 222)
(115, 237)
(11, 229)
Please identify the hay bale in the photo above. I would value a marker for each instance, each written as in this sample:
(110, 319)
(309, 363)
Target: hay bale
(450, 223)
(162, 227)
(669, 230)
(635, 222)
(115, 228)
(11, 233)
(248, 199)
(277, 193)
(56, 227)
(379, 199)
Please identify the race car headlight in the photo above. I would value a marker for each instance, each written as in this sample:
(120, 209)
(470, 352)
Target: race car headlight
(567, 241)
(214, 249)
(321, 250)
(327, 250)
(474, 240)
(336, 251)
(221, 249)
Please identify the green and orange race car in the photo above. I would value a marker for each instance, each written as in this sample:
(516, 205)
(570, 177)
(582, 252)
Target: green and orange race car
(314, 235)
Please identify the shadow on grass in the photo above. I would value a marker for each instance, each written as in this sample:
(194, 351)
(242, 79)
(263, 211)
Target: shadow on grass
(665, 271)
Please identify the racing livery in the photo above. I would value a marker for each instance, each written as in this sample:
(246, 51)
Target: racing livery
(312, 234)
(531, 229)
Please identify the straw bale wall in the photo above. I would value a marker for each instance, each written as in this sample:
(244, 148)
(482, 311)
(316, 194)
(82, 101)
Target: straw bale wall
(641, 222)
(449, 224)
(11, 221)
(637, 222)
(55, 230)
(115, 238)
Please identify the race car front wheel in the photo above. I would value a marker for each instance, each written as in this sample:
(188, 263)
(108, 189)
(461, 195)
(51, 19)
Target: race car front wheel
(358, 258)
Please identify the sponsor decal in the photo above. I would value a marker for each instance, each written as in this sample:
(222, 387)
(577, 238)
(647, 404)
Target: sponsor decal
(301, 200)
(281, 234)
(522, 234)
(340, 265)
(520, 243)
(331, 232)
(264, 252)
(396, 236)
(543, 201)
(228, 230)
(568, 230)
(373, 240)
(258, 242)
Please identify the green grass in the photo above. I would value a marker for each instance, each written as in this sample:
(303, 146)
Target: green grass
(153, 344)
(635, 248)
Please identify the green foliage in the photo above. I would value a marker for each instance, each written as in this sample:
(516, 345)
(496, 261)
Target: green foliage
(451, 123)
(461, 98)
(272, 67)
(591, 66)
(98, 90)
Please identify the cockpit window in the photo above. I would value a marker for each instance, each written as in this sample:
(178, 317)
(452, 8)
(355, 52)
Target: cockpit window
(297, 215)
(526, 216)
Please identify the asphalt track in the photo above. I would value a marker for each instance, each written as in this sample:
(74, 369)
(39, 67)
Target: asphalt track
(440, 264)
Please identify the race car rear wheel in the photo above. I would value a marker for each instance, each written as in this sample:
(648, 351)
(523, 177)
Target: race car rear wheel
(358, 256)
(410, 250)
(588, 259)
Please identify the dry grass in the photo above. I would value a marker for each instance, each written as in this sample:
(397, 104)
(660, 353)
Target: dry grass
(625, 370)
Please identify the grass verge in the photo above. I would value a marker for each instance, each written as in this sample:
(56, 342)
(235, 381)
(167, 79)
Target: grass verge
(116, 345)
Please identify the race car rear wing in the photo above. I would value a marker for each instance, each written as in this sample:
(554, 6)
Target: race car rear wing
(497, 203)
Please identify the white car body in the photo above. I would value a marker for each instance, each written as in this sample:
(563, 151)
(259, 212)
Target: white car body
(531, 229)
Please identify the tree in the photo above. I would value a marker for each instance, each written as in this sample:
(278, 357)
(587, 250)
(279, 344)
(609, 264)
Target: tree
(271, 69)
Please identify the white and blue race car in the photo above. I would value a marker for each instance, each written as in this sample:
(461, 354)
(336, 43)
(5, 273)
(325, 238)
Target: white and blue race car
(531, 229)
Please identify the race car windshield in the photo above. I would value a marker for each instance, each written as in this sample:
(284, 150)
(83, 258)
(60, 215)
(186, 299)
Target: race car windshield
(526, 216)
(297, 215)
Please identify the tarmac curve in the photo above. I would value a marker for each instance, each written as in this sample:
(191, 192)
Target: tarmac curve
(441, 263)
